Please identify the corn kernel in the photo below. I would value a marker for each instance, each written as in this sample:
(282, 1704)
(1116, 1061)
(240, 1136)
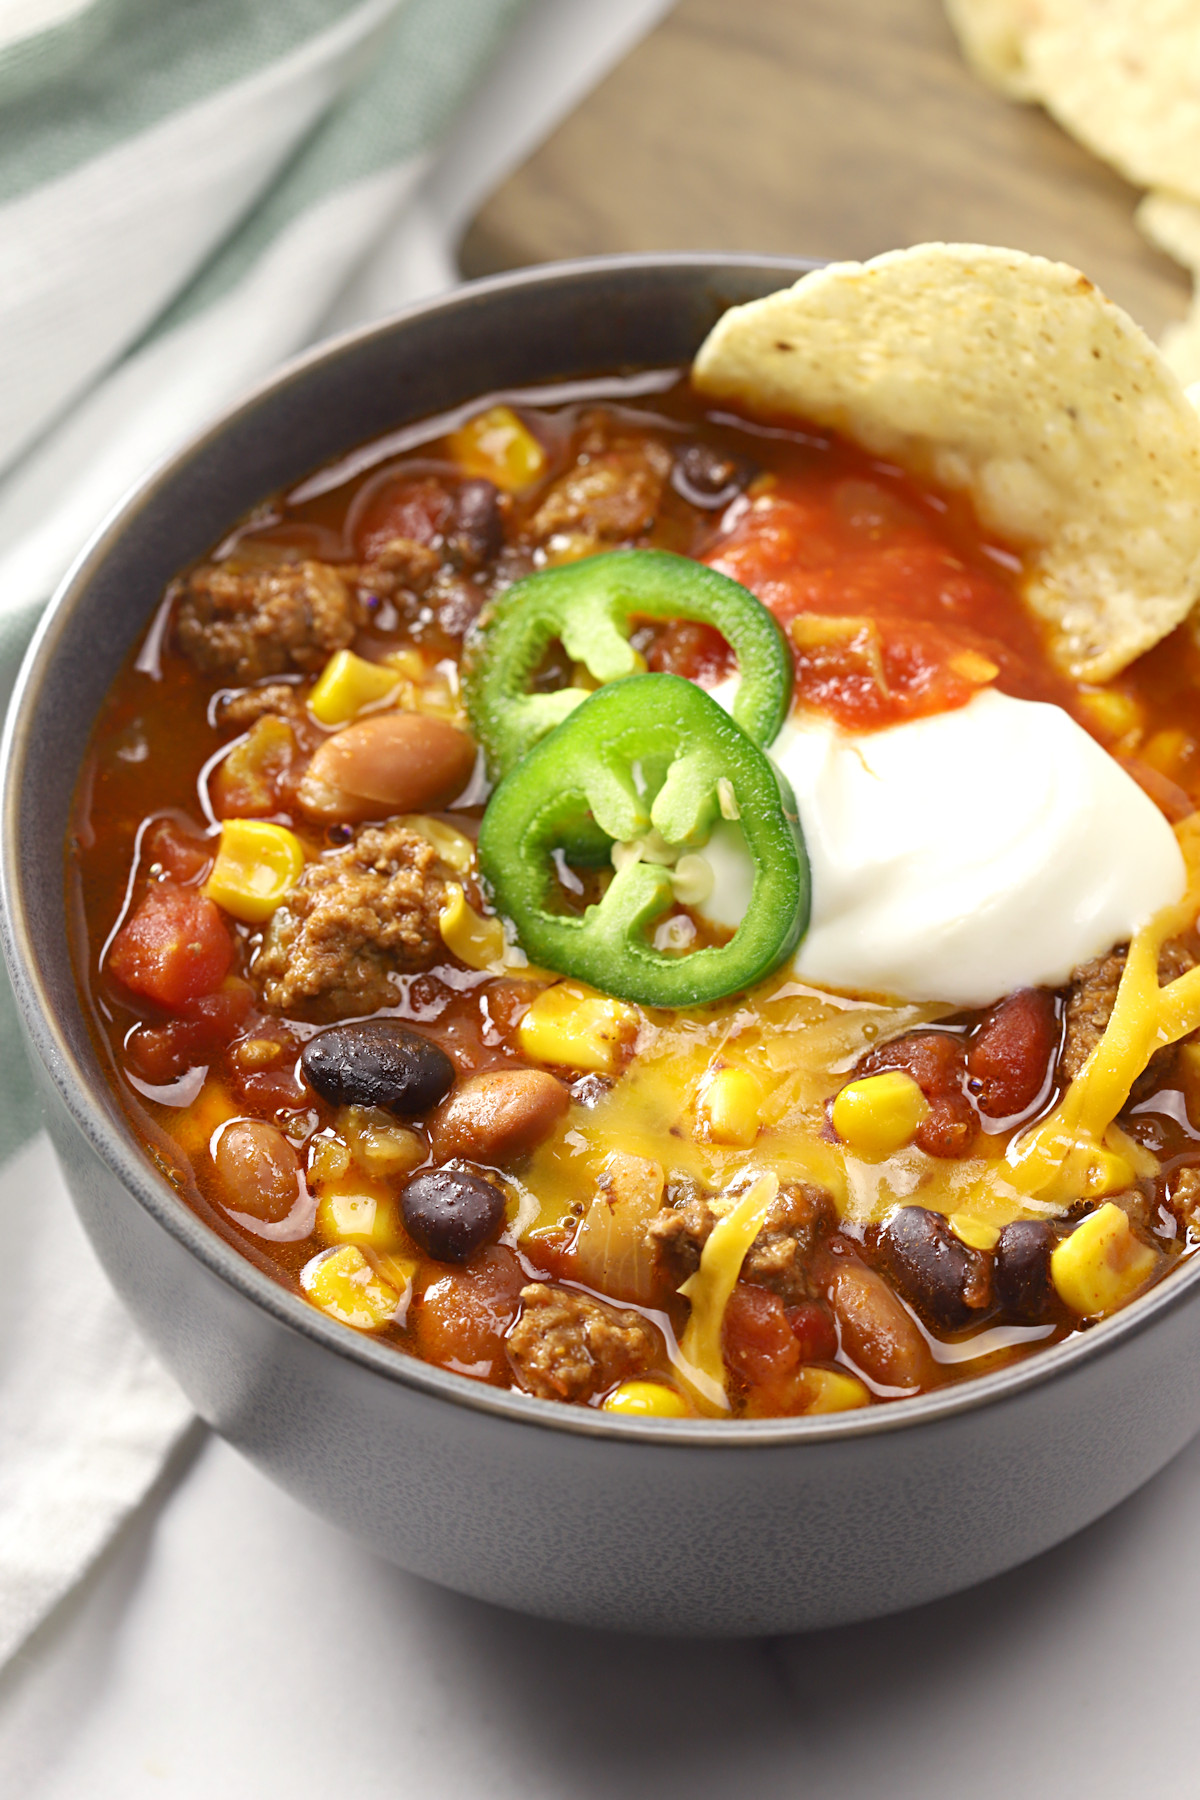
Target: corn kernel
(408, 665)
(256, 1052)
(648, 1400)
(379, 1145)
(571, 1026)
(328, 1158)
(246, 779)
(344, 1285)
(397, 1271)
(831, 1390)
(1112, 712)
(730, 1107)
(496, 445)
(1169, 752)
(1102, 1264)
(256, 865)
(196, 1125)
(476, 941)
(355, 1217)
(977, 1234)
(879, 1113)
(347, 685)
(453, 847)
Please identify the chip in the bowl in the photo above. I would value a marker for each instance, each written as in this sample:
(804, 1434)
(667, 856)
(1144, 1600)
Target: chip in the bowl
(1015, 381)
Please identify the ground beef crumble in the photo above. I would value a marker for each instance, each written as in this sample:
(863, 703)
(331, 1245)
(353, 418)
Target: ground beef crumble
(1091, 999)
(276, 699)
(800, 1216)
(612, 493)
(356, 919)
(567, 1346)
(247, 623)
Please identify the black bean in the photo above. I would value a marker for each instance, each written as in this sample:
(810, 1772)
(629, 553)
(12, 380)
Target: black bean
(942, 1278)
(377, 1062)
(1024, 1290)
(450, 1214)
(476, 531)
(707, 477)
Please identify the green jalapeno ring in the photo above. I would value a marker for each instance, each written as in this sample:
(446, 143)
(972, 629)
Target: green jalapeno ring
(647, 752)
(589, 607)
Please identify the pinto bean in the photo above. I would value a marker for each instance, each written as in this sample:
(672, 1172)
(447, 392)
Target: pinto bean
(498, 1117)
(461, 1318)
(259, 1169)
(946, 1281)
(877, 1333)
(1011, 1052)
(1022, 1271)
(395, 762)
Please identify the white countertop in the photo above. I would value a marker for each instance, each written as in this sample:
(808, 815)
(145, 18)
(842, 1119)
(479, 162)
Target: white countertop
(230, 1644)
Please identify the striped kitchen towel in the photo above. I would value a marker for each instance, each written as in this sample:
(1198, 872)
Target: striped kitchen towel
(188, 190)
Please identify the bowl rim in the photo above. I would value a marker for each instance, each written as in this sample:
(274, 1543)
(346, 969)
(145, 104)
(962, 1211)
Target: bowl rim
(219, 1258)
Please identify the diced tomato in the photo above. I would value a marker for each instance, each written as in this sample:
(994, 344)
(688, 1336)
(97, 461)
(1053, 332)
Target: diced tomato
(1009, 1058)
(417, 510)
(688, 648)
(174, 948)
(161, 1053)
(760, 1346)
(848, 549)
(178, 849)
(814, 1331)
(936, 1060)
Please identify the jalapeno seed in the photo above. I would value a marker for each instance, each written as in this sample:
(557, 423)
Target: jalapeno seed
(377, 1062)
(450, 1214)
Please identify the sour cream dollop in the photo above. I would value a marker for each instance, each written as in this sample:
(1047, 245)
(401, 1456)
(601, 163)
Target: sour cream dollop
(960, 856)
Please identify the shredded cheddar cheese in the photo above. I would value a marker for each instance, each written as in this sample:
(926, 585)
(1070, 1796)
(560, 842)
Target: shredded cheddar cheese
(1059, 1159)
(701, 1363)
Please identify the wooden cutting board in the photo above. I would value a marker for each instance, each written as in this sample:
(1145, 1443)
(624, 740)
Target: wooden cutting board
(823, 128)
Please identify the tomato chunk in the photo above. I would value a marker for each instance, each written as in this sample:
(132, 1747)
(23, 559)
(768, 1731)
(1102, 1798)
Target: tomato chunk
(1009, 1059)
(161, 1053)
(417, 511)
(761, 1348)
(936, 1060)
(887, 622)
(173, 948)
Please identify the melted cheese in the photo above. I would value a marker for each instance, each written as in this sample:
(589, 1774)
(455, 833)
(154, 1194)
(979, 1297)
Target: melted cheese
(700, 1362)
(1054, 1160)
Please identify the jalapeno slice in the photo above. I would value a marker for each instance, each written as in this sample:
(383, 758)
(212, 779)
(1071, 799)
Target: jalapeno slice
(589, 607)
(652, 752)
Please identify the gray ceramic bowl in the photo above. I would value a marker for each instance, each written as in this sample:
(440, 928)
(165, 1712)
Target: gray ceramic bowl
(685, 1527)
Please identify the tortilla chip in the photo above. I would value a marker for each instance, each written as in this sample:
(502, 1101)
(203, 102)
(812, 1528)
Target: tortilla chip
(1124, 77)
(1014, 380)
(992, 34)
(1174, 225)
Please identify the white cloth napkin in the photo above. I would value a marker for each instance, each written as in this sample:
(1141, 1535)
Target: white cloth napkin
(188, 195)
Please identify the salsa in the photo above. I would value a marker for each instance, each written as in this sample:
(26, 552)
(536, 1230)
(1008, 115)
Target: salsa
(329, 1044)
